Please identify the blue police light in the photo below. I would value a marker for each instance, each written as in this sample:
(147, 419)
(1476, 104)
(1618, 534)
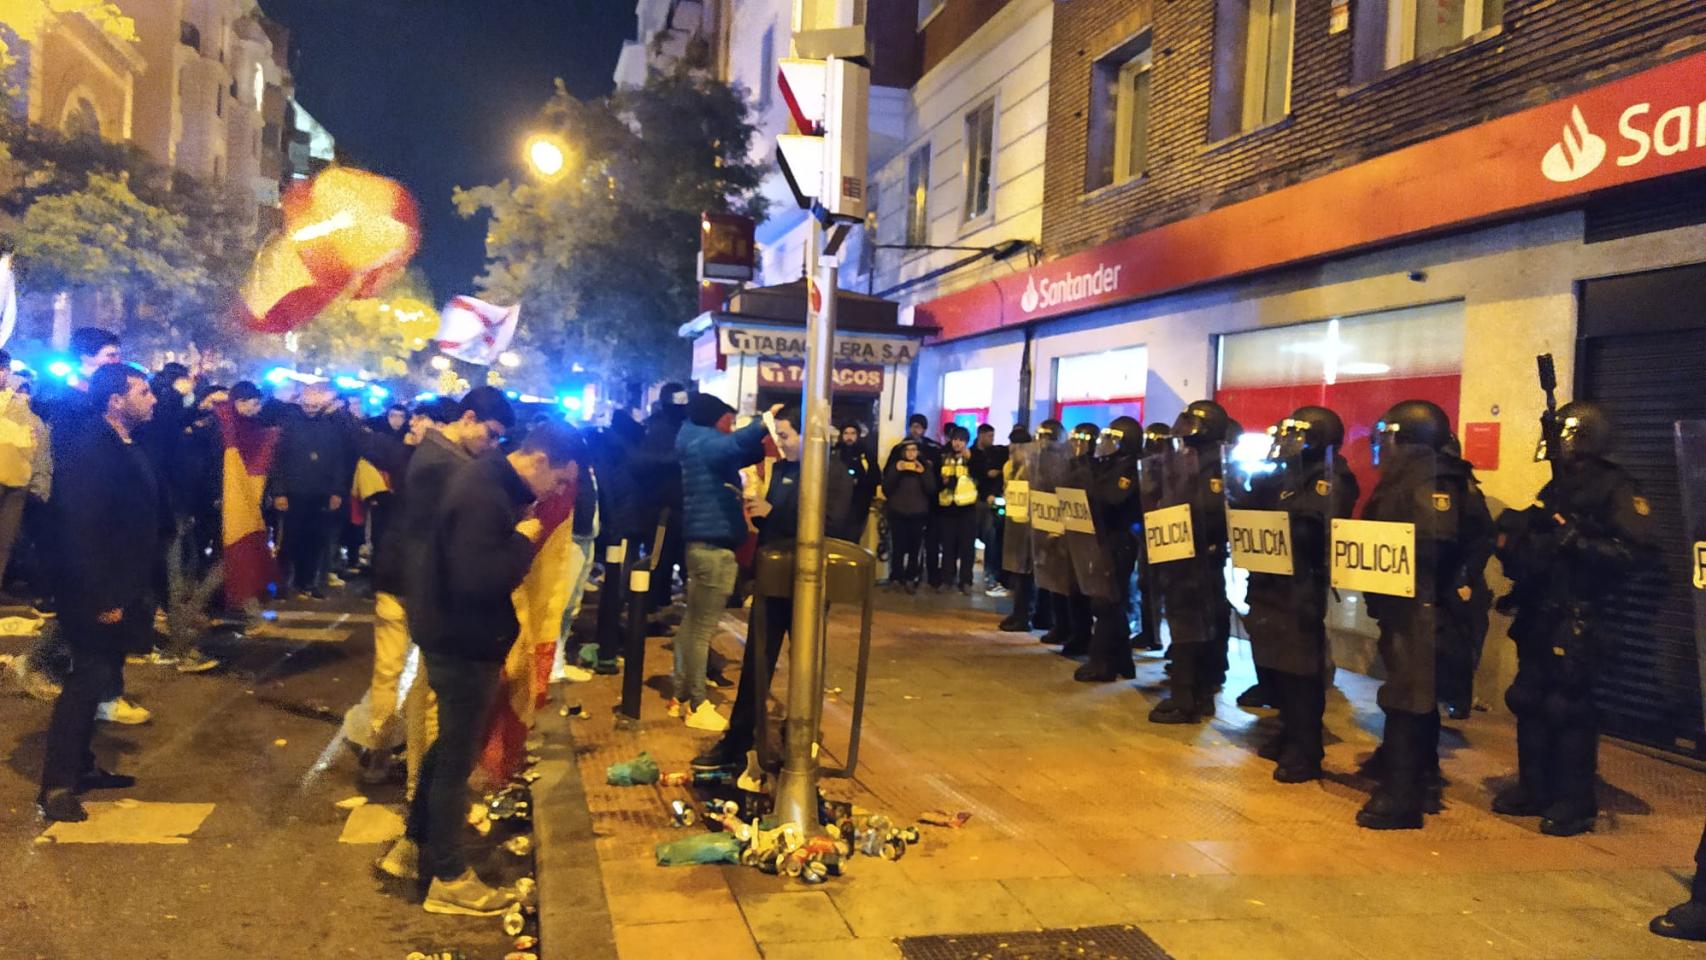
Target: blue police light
(60, 369)
(278, 375)
(512, 394)
(377, 392)
(425, 397)
(19, 365)
(348, 382)
(571, 403)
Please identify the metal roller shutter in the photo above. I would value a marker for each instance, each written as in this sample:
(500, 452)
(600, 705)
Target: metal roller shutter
(1649, 691)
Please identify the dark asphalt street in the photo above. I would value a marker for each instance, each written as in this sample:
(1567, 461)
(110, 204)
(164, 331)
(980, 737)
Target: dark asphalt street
(265, 875)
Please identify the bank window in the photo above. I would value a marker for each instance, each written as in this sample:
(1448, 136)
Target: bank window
(1118, 140)
(1100, 387)
(1416, 28)
(1252, 64)
(918, 197)
(967, 396)
(980, 159)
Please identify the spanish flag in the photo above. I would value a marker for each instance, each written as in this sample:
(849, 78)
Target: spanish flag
(539, 605)
(248, 456)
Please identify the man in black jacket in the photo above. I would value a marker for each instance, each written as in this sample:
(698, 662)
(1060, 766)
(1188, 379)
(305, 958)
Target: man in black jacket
(110, 517)
(481, 547)
(311, 475)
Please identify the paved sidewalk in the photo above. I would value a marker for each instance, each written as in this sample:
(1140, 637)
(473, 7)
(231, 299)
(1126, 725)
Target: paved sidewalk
(1085, 814)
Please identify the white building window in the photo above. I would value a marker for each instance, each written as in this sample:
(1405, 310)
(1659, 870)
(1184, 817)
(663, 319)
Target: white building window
(980, 158)
(1118, 143)
(1252, 64)
(1416, 28)
(1099, 387)
(766, 67)
(967, 395)
(918, 197)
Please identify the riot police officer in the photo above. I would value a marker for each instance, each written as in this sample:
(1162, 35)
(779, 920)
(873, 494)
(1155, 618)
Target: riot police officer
(1565, 556)
(1051, 564)
(1193, 589)
(1312, 484)
(1015, 559)
(1116, 508)
(1090, 579)
(1422, 485)
(1157, 439)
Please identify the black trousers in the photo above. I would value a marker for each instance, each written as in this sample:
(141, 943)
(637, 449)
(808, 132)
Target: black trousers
(307, 529)
(1079, 617)
(906, 536)
(1409, 757)
(97, 670)
(466, 690)
(1557, 732)
(1023, 586)
(1302, 701)
(956, 540)
(743, 718)
(1698, 890)
(673, 554)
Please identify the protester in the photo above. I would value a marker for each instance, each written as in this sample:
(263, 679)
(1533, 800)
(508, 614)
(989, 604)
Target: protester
(21, 434)
(713, 524)
(658, 469)
(481, 546)
(987, 460)
(310, 478)
(853, 455)
(909, 489)
(955, 518)
(108, 498)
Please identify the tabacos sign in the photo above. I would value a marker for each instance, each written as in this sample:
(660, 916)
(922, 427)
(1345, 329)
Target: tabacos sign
(1643, 131)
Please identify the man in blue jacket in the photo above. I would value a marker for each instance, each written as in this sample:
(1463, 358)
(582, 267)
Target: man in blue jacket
(713, 523)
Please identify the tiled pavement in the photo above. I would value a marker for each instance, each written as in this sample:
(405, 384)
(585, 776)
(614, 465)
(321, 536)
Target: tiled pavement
(1083, 814)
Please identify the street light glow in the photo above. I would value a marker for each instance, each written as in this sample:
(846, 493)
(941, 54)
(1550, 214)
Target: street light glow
(440, 363)
(546, 155)
(509, 358)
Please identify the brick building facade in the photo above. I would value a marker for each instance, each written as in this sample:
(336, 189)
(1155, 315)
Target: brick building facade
(1541, 51)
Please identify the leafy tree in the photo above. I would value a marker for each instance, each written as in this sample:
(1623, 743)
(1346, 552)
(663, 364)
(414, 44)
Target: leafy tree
(383, 334)
(603, 260)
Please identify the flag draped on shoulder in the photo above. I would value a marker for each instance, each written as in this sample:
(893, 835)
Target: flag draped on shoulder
(248, 457)
(475, 331)
(539, 605)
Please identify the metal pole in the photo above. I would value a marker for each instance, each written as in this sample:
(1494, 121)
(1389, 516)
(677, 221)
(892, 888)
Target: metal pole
(796, 788)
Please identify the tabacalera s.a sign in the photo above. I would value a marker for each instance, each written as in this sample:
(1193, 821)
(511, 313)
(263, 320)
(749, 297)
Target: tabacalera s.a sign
(1647, 125)
(791, 374)
(849, 348)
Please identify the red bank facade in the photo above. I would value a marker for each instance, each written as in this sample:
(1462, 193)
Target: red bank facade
(1429, 250)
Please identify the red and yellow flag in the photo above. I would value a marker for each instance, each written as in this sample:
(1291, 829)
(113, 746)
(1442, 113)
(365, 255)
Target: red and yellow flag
(539, 605)
(248, 456)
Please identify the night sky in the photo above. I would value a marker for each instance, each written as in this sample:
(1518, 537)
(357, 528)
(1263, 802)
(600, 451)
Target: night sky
(439, 93)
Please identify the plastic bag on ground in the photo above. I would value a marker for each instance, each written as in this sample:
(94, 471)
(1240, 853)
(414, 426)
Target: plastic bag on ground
(699, 848)
(630, 773)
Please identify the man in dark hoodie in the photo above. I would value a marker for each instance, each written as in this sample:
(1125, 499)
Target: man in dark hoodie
(658, 468)
(480, 548)
(713, 523)
(311, 476)
(399, 563)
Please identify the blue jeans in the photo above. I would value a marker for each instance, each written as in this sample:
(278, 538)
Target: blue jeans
(710, 579)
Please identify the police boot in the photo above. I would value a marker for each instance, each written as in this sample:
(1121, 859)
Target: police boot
(1685, 921)
(1528, 797)
(1184, 703)
(1433, 781)
(1303, 700)
(1397, 804)
(1019, 621)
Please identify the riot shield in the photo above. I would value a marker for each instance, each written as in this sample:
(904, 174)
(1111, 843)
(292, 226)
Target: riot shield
(1049, 554)
(1016, 543)
(1092, 560)
(1176, 538)
(1278, 511)
(1404, 556)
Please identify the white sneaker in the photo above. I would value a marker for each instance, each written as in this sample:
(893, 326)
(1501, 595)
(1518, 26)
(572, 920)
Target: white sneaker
(124, 712)
(705, 717)
(996, 591)
(467, 896)
(571, 674)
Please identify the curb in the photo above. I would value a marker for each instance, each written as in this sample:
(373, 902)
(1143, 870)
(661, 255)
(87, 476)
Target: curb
(574, 917)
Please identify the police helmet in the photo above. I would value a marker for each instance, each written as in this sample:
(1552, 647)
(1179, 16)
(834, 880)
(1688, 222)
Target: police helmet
(1584, 430)
(1122, 436)
(1203, 422)
(1084, 438)
(1412, 423)
(1157, 438)
(1308, 429)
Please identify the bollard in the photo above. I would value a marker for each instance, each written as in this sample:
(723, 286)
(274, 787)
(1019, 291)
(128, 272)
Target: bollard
(639, 585)
(611, 597)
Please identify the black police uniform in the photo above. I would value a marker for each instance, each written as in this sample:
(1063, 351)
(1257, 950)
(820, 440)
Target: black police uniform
(1114, 503)
(1436, 492)
(1287, 618)
(1562, 573)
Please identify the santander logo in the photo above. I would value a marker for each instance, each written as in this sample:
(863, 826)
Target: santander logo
(1577, 155)
(1100, 281)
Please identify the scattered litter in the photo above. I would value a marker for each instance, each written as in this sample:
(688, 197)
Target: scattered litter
(280, 742)
(20, 626)
(521, 845)
(132, 821)
(521, 955)
(526, 942)
(908, 696)
(682, 815)
(577, 711)
(938, 818)
(636, 772)
(373, 823)
(700, 848)
(588, 655)
(527, 892)
(674, 778)
(350, 803)
(510, 803)
(514, 921)
(437, 955)
(479, 817)
(529, 776)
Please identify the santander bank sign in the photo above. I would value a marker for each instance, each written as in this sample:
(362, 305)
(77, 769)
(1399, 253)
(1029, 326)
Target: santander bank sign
(1640, 136)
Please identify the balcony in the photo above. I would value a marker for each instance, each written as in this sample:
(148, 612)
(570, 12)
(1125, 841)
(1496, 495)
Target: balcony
(189, 35)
